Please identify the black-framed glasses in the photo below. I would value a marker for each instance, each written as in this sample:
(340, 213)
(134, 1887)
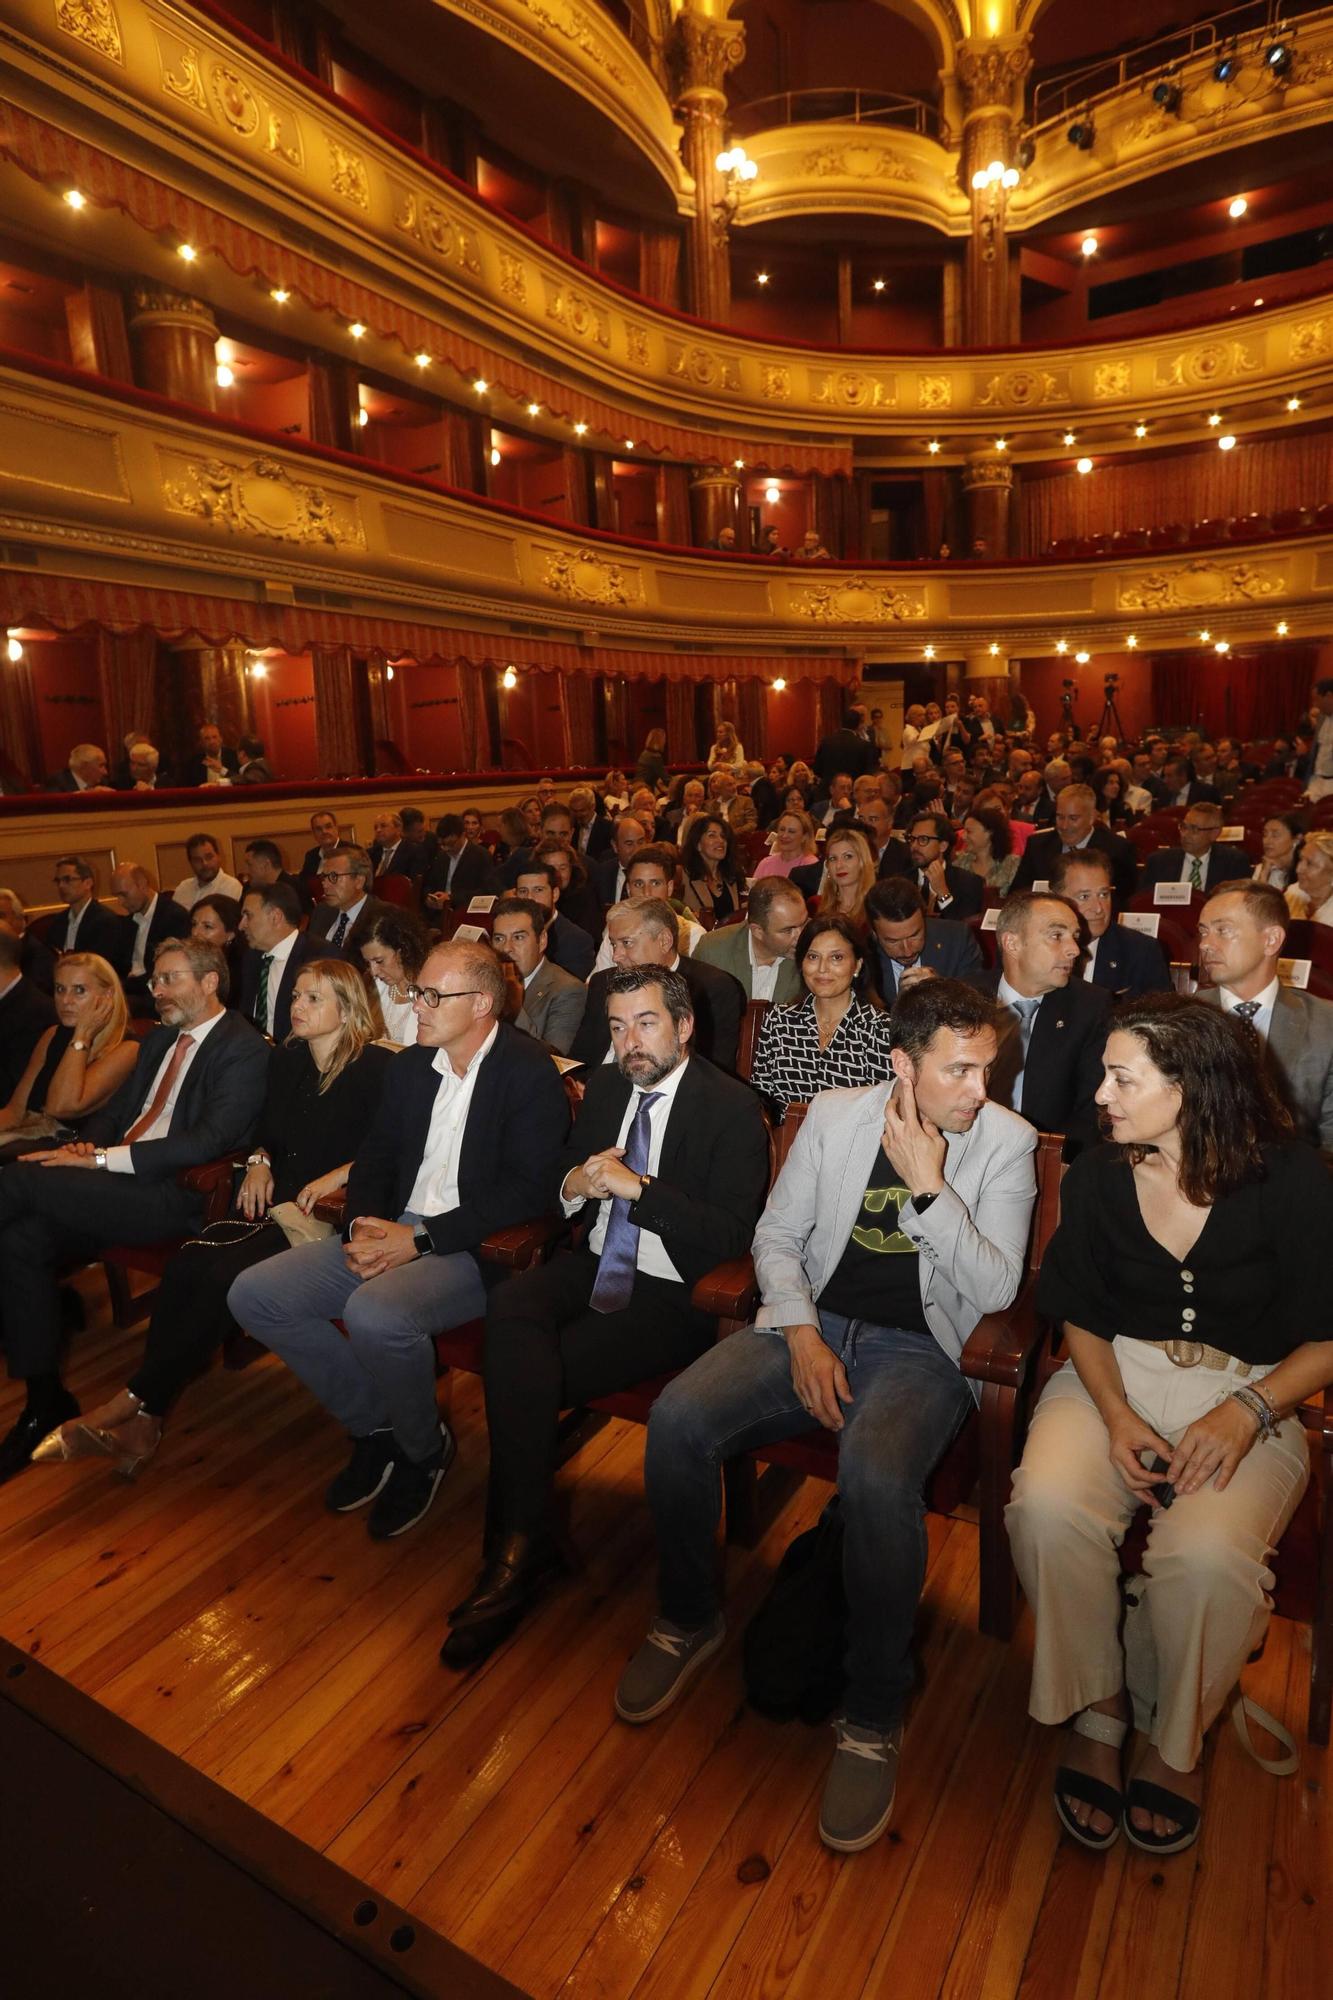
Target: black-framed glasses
(335, 874)
(433, 996)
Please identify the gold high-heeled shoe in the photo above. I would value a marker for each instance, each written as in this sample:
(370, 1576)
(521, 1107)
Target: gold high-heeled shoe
(128, 1446)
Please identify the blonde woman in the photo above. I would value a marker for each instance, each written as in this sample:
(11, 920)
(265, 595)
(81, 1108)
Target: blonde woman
(323, 1090)
(793, 844)
(849, 876)
(78, 1065)
(727, 752)
(1311, 895)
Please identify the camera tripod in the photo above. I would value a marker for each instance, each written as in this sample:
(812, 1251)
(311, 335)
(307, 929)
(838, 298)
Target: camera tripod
(1110, 714)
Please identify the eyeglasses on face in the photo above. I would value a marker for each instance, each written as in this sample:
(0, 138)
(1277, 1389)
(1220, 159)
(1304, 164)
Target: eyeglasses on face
(335, 874)
(432, 996)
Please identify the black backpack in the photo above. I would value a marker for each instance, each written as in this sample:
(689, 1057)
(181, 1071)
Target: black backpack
(793, 1646)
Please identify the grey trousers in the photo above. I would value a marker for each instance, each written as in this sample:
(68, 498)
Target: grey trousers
(382, 1375)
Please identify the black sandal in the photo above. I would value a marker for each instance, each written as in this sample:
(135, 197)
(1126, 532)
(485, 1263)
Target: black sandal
(1143, 1796)
(1090, 1791)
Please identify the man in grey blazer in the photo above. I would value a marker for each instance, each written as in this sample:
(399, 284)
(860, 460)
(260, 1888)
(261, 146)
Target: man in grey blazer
(761, 952)
(900, 1218)
(553, 1001)
(1242, 928)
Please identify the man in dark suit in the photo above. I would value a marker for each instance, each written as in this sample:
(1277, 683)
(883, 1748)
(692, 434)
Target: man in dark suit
(460, 871)
(592, 825)
(37, 961)
(263, 867)
(194, 1093)
(579, 901)
(419, 834)
(151, 917)
(391, 851)
(667, 1163)
(465, 1142)
(271, 921)
(844, 750)
(1049, 1064)
(948, 892)
(213, 763)
(86, 771)
(909, 944)
(608, 875)
(645, 934)
(1124, 961)
(1199, 861)
(87, 924)
(1242, 930)
(252, 766)
(25, 1014)
(1180, 786)
(1076, 831)
(349, 908)
(568, 945)
(324, 826)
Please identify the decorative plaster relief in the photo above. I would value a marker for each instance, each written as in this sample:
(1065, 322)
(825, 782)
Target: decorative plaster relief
(856, 600)
(1199, 584)
(1023, 389)
(260, 498)
(573, 25)
(576, 312)
(702, 366)
(853, 391)
(1200, 367)
(419, 216)
(588, 578)
(636, 343)
(513, 278)
(934, 392)
(1312, 339)
(858, 163)
(777, 382)
(94, 23)
(348, 172)
(1111, 378)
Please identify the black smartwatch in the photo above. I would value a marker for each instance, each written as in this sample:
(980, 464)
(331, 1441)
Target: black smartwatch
(421, 1242)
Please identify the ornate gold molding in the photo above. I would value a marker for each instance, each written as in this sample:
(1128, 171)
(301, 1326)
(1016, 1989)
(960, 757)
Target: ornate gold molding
(857, 600)
(1200, 584)
(94, 23)
(588, 578)
(260, 497)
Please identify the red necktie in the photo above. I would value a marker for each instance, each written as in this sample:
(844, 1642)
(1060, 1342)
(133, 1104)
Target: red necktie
(147, 1119)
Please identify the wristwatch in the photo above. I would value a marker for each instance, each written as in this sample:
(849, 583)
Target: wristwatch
(921, 1202)
(259, 1160)
(99, 1158)
(421, 1242)
(645, 1182)
(82, 1047)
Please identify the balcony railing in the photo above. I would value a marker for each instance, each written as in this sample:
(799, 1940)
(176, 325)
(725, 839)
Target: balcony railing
(836, 107)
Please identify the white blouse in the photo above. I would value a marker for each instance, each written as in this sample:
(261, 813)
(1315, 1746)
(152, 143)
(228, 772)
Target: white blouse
(400, 1021)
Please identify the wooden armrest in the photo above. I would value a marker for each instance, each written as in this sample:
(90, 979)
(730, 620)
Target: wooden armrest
(332, 1207)
(214, 1180)
(728, 1291)
(1003, 1346)
(524, 1244)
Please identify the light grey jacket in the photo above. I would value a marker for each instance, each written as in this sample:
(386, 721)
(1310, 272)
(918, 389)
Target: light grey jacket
(972, 1239)
(1300, 1045)
(553, 1007)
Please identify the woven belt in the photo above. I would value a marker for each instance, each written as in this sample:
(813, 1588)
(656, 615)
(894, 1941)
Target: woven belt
(1194, 1354)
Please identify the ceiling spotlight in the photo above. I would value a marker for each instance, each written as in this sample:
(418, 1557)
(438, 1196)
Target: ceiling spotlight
(534, 409)
(357, 329)
(1293, 403)
(509, 678)
(225, 378)
(14, 648)
(1214, 420)
(1069, 437)
(1227, 443)
(1222, 646)
(933, 447)
(928, 652)
(772, 495)
(629, 444)
(1227, 68)
(187, 252)
(495, 454)
(75, 198)
(738, 464)
(1237, 208)
(1140, 430)
(1205, 636)
(1082, 133)
(1082, 658)
(779, 684)
(993, 649)
(580, 429)
(279, 295)
(422, 360)
(1001, 444)
(1282, 629)
(761, 277)
(363, 418)
(480, 386)
(1167, 95)
(1084, 465)
(1089, 246)
(1062, 645)
(1131, 643)
(878, 285)
(259, 669)
(1277, 58)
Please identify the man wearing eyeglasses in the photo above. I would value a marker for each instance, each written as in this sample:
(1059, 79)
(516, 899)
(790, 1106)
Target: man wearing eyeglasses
(946, 891)
(465, 1142)
(666, 1169)
(194, 1093)
(349, 909)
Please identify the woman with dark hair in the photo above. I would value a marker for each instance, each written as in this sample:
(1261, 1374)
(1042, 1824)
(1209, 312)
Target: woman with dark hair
(651, 767)
(988, 848)
(322, 1091)
(1112, 805)
(394, 949)
(837, 1038)
(1188, 1269)
(216, 919)
(1281, 838)
(714, 880)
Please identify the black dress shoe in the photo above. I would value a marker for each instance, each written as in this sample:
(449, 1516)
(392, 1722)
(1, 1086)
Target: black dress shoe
(510, 1578)
(19, 1443)
(469, 1645)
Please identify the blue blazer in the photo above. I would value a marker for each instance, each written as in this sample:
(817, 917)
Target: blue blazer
(1130, 962)
(216, 1112)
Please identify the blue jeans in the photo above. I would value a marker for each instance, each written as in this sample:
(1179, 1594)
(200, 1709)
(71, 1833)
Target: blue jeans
(382, 1376)
(908, 1402)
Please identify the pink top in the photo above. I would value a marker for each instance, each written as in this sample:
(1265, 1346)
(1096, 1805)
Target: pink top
(773, 864)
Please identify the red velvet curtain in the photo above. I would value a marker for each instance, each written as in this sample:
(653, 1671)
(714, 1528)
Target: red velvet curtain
(1246, 695)
(578, 693)
(682, 742)
(20, 736)
(835, 514)
(477, 753)
(673, 505)
(752, 718)
(1257, 478)
(128, 682)
(337, 732)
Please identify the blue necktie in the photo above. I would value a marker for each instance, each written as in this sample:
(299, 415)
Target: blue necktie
(620, 1246)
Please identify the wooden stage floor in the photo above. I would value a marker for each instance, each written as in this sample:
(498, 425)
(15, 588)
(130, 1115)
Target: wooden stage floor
(217, 1607)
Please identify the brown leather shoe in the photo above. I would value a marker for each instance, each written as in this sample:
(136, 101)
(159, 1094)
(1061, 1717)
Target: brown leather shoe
(510, 1579)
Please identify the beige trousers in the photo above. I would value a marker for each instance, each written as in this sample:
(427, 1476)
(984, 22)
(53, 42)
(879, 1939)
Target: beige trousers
(1206, 1579)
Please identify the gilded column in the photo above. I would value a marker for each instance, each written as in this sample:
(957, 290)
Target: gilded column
(991, 78)
(705, 50)
(988, 484)
(715, 498)
(174, 340)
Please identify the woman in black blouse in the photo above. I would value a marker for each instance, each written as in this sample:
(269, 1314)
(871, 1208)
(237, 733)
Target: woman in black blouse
(323, 1088)
(837, 1038)
(1189, 1269)
(216, 919)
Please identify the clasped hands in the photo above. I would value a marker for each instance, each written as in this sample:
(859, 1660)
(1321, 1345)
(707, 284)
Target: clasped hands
(1209, 1448)
(602, 1175)
(377, 1246)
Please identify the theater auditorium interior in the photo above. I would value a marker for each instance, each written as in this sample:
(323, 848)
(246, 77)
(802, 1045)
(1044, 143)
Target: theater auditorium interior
(873, 459)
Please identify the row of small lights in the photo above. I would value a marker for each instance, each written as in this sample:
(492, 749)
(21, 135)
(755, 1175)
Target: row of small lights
(1222, 646)
(1227, 442)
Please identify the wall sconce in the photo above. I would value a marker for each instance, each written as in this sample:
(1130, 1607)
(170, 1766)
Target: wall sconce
(779, 685)
(772, 495)
(509, 679)
(736, 168)
(14, 649)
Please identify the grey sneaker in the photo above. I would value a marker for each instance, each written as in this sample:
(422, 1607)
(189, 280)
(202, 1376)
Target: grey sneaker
(858, 1794)
(664, 1666)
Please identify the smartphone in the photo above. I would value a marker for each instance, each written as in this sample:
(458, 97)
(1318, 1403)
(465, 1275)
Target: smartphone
(1164, 1492)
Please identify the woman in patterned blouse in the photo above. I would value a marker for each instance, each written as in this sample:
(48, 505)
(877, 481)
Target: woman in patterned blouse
(849, 876)
(837, 1038)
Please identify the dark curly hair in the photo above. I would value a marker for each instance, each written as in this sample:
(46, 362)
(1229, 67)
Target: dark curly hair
(1229, 1109)
(728, 868)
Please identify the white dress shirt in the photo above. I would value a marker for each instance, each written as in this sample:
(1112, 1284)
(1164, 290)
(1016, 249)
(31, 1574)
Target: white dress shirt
(1263, 1020)
(1090, 961)
(72, 922)
(278, 958)
(188, 892)
(400, 1016)
(138, 964)
(120, 1159)
(435, 1190)
(351, 916)
(687, 932)
(763, 978)
(652, 1259)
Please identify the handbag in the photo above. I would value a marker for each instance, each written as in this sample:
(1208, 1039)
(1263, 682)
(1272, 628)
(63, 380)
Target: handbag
(297, 1226)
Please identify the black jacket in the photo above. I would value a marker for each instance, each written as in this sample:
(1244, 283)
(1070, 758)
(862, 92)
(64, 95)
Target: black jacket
(194, 773)
(1130, 962)
(1222, 864)
(217, 1109)
(325, 917)
(303, 950)
(25, 1015)
(409, 858)
(168, 920)
(1064, 1064)
(709, 1187)
(719, 1003)
(1042, 850)
(845, 751)
(100, 930)
(516, 1124)
(569, 946)
(475, 875)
